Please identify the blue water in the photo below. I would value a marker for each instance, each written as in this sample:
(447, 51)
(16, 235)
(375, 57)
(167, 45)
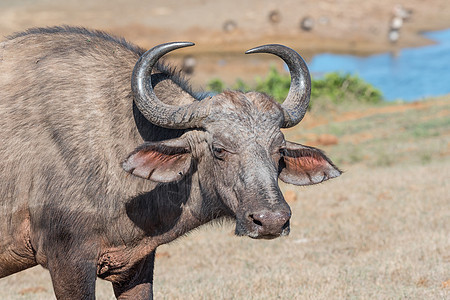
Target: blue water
(411, 74)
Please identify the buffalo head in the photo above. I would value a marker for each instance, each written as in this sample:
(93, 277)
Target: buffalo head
(233, 143)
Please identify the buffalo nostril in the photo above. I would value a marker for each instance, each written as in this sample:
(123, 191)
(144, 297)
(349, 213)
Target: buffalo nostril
(255, 220)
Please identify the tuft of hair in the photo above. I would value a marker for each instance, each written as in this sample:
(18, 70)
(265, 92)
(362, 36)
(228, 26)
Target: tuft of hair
(260, 101)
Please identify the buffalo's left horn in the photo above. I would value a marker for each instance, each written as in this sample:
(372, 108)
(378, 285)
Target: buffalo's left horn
(296, 102)
(154, 110)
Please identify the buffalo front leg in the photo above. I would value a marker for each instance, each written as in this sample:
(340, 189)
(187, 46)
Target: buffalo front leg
(139, 285)
(73, 278)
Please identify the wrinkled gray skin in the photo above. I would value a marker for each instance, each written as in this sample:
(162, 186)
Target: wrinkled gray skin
(68, 127)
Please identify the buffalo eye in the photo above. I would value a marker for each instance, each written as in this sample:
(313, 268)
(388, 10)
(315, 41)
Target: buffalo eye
(219, 153)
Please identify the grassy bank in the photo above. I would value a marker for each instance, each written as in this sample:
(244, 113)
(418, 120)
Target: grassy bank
(380, 135)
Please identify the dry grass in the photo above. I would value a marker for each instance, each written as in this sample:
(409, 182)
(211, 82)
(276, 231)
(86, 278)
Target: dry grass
(380, 231)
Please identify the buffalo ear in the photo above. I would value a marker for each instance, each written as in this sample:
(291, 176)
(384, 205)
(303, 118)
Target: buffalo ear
(165, 161)
(302, 165)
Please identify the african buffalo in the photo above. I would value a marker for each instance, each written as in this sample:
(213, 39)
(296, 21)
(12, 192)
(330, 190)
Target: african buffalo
(77, 199)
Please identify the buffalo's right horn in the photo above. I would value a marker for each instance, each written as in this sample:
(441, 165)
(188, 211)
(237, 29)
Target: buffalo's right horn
(154, 110)
(296, 102)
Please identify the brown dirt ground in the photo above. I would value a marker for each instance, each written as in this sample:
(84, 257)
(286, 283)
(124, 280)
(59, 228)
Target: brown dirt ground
(340, 25)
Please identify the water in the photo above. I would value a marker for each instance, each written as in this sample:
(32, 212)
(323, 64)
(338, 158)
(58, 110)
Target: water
(412, 74)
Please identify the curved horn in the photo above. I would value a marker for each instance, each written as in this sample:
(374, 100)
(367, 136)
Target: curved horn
(154, 110)
(296, 102)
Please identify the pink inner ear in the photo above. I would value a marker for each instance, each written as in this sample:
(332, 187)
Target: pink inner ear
(304, 163)
(145, 163)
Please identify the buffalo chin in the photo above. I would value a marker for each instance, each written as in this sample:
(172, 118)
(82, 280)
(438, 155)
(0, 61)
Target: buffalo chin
(258, 236)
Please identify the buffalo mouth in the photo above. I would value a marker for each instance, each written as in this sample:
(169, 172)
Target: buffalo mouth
(284, 232)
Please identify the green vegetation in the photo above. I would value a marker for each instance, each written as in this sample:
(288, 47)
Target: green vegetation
(333, 87)
(341, 88)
